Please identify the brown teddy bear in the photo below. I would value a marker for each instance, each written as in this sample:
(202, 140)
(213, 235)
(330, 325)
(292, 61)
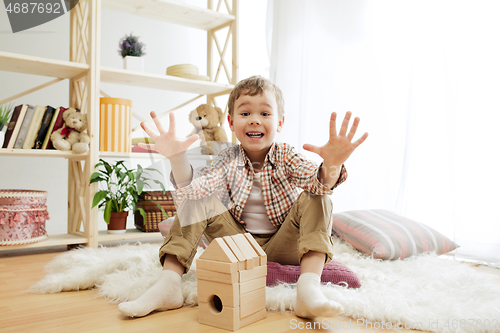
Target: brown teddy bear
(71, 136)
(207, 121)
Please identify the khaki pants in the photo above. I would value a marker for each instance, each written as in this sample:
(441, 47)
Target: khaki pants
(306, 228)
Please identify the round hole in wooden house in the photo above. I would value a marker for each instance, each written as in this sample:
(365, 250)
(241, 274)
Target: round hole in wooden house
(216, 304)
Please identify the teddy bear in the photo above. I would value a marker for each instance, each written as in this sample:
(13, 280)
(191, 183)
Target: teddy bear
(71, 135)
(207, 121)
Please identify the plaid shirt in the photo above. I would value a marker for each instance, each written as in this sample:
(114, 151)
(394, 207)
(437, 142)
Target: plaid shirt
(230, 177)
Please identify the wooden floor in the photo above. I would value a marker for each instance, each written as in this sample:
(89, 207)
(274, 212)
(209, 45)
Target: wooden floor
(21, 311)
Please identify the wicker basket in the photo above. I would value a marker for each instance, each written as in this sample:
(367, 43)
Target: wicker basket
(154, 215)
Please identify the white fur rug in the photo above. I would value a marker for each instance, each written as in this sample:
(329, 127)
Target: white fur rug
(424, 292)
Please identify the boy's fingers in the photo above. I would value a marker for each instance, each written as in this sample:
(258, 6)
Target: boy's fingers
(333, 125)
(171, 125)
(311, 148)
(192, 139)
(146, 146)
(360, 140)
(345, 124)
(354, 128)
(157, 122)
(149, 131)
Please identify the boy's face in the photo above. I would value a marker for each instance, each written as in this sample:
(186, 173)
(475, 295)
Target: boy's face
(255, 122)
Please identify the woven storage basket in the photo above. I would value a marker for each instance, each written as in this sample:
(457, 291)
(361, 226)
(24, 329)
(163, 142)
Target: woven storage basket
(154, 215)
(22, 216)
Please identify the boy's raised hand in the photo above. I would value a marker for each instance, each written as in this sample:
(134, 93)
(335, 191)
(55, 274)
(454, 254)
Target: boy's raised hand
(166, 142)
(339, 146)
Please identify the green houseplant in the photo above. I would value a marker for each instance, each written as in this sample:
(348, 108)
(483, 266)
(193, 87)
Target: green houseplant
(5, 114)
(122, 187)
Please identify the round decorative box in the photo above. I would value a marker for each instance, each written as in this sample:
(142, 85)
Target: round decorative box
(22, 216)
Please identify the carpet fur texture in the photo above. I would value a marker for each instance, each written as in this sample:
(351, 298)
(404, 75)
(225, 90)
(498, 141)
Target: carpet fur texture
(423, 292)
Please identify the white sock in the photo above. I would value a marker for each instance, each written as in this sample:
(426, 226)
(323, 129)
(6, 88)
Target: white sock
(165, 294)
(311, 302)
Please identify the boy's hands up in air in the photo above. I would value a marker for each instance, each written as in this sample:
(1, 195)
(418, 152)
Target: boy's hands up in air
(339, 146)
(166, 142)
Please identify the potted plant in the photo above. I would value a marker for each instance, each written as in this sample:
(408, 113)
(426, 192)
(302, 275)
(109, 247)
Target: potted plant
(131, 51)
(5, 114)
(122, 187)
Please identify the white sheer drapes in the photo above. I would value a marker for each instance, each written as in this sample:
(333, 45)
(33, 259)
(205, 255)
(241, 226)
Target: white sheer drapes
(424, 76)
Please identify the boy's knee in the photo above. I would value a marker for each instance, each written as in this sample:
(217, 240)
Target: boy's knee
(311, 198)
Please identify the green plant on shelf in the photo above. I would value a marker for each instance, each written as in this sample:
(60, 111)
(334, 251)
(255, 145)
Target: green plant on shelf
(5, 113)
(122, 187)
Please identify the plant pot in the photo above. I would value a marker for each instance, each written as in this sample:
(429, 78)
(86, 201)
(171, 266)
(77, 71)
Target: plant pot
(133, 63)
(118, 223)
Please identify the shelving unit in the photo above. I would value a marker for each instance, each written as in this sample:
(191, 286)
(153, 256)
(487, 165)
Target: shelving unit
(85, 75)
(155, 81)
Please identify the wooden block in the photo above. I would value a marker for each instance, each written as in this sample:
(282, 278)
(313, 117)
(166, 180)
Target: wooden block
(236, 250)
(252, 302)
(218, 251)
(242, 265)
(254, 317)
(228, 318)
(202, 274)
(252, 274)
(251, 257)
(228, 293)
(243, 243)
(258, 249)
(217, 266)
(248, 286)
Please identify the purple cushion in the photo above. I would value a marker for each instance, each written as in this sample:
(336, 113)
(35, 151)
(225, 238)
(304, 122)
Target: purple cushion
(334, 272)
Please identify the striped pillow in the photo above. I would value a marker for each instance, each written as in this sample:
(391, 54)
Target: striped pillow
(387, 235)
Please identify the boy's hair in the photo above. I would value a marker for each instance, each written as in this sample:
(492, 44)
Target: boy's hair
(255, 85)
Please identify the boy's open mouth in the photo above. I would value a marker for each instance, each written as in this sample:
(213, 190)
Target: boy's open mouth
(255, 134)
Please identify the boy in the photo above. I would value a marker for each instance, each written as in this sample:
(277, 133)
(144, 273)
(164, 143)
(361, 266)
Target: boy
(252, 187)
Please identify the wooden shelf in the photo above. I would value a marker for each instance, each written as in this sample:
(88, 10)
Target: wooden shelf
(87, 78)
(165, 82)
(171, 11)
(128, 235)
(54, 240)
(42, 153)
(156, 157)
(20, 63)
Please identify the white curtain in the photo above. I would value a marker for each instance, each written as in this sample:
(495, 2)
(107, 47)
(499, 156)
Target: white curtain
(424, 77)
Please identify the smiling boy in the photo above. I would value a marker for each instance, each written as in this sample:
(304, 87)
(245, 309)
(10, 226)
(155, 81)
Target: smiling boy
(259, 186)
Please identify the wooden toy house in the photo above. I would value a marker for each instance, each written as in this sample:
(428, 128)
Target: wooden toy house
(231, 275)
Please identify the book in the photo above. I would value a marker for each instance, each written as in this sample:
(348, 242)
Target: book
(59, 122)
(17, 126)
(137, 149)
(51, 127)
(10, 125)
(34, 127)
(24, 127)
(44, 126)
(148, 140)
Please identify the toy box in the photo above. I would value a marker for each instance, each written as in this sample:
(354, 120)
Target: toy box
(22, 216)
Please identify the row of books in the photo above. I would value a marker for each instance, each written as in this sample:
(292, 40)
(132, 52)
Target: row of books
(30, 127)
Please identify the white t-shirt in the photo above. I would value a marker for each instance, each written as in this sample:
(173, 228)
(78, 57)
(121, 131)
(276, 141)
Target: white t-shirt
(254, 214)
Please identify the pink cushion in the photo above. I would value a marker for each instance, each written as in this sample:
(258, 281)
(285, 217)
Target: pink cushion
(334, 272)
